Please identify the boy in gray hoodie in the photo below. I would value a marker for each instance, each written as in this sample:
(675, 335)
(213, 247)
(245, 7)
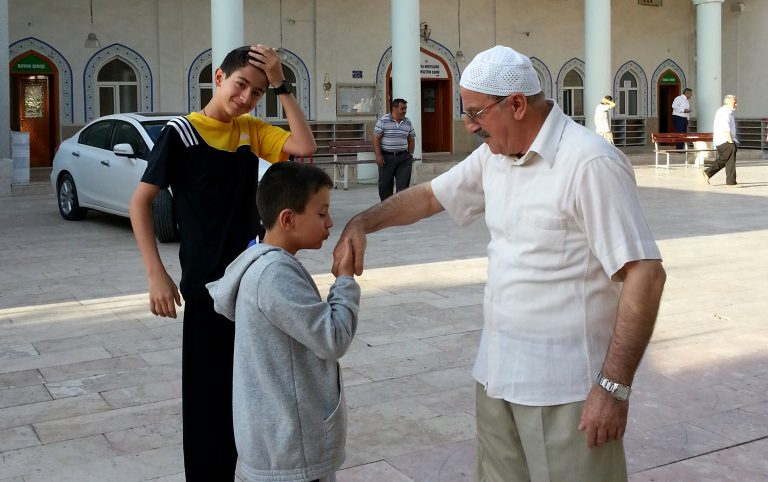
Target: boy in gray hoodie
(288, 397)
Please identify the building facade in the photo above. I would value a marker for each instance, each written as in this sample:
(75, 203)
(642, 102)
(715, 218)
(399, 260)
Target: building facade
(155, 55)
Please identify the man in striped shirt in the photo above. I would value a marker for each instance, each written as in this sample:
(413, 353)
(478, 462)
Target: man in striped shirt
(393, 138)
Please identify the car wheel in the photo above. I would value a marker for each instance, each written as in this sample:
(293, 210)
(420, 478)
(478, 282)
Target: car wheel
(66, 193)
(165, 222)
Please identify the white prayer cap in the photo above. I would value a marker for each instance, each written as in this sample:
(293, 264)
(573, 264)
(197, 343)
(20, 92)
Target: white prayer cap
(501, 71)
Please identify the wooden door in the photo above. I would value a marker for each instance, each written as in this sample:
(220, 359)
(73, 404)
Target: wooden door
(667, 93)
(436, 128)
(35, 117)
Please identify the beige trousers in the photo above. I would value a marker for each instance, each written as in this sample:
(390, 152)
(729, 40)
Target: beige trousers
(517, 443)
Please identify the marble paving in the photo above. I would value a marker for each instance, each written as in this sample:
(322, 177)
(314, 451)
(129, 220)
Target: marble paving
(90, 380)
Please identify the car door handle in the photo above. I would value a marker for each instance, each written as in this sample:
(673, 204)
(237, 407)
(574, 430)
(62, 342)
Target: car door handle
(76, 153)
(105, 163)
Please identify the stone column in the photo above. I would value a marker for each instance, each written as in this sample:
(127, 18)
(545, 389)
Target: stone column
(227, 31)
(406, 62)
(5, 91)
(597, 56)
(708, 93)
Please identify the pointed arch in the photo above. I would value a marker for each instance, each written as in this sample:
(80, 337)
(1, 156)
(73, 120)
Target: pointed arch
(101, 58)
(642, 85)
(429, 47)
(666, 65)
(202, 61)
(66, 108)
(545, 75)
(576, 96)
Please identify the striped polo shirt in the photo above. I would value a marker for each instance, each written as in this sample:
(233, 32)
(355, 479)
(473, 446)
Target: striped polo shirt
(394, 135)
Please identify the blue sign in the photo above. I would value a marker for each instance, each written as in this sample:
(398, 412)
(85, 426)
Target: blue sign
(357, 74)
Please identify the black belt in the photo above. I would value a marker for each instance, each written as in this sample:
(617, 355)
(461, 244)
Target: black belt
(395, 153)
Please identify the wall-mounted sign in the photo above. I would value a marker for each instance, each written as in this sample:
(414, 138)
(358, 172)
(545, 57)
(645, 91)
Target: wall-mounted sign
(357, 74)
(432, 68)
(31, 63)
(669, 79)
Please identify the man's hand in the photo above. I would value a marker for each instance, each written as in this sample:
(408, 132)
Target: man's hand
(380, 160)
(346, 262)
(266, 59)
(163, 295)
(351, 244)
(603, 418)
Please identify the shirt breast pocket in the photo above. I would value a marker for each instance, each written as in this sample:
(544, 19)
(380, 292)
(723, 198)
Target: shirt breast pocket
(540, 240)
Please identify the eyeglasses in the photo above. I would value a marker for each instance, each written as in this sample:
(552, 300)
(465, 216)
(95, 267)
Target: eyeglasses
(479, 114)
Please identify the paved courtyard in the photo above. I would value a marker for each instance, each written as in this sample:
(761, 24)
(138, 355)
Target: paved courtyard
(90, 380)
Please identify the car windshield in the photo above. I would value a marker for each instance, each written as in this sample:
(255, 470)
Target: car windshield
(153, 128)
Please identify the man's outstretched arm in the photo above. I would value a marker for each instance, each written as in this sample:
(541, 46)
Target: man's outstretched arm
(405, 207)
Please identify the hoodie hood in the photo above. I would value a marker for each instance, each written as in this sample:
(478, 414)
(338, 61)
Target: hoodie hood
(224, 290)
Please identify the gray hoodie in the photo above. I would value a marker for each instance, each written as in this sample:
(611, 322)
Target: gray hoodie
(288, 398)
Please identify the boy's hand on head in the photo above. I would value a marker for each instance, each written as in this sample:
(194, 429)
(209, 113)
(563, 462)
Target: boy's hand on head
(266, 59)
(346, 260)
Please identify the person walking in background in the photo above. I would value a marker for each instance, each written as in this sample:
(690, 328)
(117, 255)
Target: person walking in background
(681, 110)
(724, 139)
(574, 276)
(393, 140)
(603, 118)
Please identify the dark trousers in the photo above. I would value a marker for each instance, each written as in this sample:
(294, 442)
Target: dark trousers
(206, 386)
(726, 158)
(681, 125)
(396, 172)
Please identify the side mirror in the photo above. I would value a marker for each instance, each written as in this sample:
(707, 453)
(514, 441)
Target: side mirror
(123, 150)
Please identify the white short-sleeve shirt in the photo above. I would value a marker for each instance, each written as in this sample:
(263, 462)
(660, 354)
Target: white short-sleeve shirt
(679, 105)
(722, 125)
(563, 219)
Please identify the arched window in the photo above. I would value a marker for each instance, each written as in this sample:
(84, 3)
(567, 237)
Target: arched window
(628, 95)
(118, 88)
(573, 94)
(270, 104)
(205, 85)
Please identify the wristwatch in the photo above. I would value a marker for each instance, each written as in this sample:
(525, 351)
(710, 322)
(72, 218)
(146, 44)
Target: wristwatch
(617, 390)
(283, 88)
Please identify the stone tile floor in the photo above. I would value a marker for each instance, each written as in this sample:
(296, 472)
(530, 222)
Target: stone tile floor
(90, 380)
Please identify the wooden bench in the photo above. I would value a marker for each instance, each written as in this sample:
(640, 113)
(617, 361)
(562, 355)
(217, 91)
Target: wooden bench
(345, 154)
(703, 139)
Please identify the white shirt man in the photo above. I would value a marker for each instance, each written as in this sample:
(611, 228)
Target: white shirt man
(724, 139)
(603, 119)
(574, 276)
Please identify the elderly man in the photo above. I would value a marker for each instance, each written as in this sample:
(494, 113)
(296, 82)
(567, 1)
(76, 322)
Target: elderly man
(574, 276)
(724, 139)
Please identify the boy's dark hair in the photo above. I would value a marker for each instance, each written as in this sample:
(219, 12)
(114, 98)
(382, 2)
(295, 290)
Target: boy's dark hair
(288, 185)
(396, 103)
(235, 60)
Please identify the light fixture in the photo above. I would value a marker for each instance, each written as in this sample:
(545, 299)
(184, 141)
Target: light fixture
(327, 86)
(425, 30)
(459, 52)
(91, 41)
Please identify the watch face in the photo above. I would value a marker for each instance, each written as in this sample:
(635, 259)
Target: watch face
(621, 392)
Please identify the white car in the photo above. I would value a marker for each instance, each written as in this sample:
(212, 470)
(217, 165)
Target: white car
(100, 166)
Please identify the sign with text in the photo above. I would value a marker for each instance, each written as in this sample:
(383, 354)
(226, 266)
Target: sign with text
(31, 63)
(432, 68)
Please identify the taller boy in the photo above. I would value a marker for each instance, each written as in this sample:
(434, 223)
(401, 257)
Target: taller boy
(210, 161)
